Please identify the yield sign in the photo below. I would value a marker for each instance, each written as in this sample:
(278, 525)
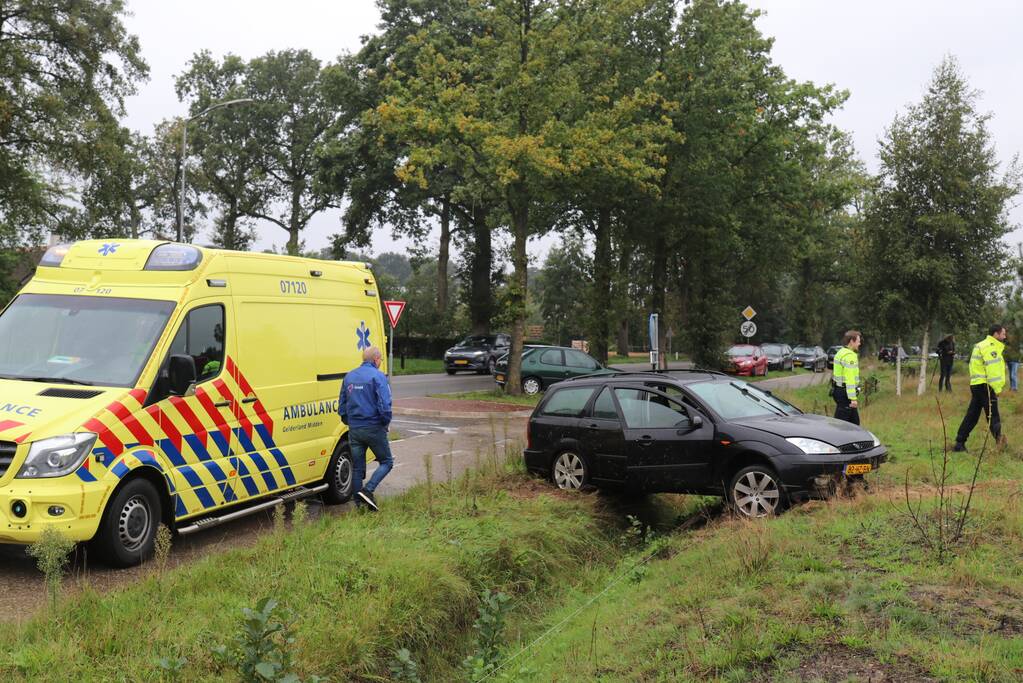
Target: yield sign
(394, 310)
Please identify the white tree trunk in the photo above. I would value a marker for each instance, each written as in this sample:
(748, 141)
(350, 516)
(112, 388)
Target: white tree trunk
(898, 367)
(921, 386)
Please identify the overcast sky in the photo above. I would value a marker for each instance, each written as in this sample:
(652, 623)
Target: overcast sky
(882, 52)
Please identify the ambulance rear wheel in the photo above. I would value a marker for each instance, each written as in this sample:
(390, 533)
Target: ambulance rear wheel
(127, 533)
(340, 475)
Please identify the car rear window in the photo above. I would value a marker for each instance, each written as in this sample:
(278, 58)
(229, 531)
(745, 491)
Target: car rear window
(604, 407)
(567, 402)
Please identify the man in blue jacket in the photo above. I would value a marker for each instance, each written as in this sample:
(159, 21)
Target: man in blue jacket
(365, 406)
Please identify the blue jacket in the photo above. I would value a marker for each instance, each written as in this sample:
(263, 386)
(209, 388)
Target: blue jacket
(365, 399)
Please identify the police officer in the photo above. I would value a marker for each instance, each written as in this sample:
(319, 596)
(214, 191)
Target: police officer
(365, 406)
(845, 380)
(987, 377)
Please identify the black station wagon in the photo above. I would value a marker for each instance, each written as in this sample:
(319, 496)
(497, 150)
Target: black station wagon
(698, 432)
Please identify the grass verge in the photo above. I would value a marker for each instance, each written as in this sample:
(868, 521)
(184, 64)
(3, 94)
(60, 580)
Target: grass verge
(417, 366)
(493, 396)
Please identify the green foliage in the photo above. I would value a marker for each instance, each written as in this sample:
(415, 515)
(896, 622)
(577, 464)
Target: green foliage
(403, 667)
(489, 628)
(932, 250)
(262, 650)
(68, 66)
(52, 552)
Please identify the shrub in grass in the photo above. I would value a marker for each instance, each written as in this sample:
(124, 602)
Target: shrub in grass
(52, 552)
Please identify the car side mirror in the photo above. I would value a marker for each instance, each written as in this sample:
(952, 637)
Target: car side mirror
(696, 421)
(181, 373)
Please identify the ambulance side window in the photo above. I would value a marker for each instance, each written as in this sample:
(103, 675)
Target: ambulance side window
(200, 336)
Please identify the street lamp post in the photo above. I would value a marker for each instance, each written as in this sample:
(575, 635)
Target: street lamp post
(184, 138)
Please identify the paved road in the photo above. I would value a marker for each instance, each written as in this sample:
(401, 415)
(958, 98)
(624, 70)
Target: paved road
(408, 386)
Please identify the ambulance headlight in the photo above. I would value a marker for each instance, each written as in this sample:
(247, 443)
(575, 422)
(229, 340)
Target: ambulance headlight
(57, 456)
(174, 257)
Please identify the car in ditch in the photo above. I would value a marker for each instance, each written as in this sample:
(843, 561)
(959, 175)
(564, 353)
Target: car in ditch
(476, 353)
(698, 432)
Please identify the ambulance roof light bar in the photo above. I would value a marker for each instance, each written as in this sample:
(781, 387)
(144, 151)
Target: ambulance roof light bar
(54, 256)
(174, 257)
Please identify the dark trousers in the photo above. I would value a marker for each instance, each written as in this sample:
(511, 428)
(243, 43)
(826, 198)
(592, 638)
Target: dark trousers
(375, 439)
(981, 398)
(844, 411)
(945, 379)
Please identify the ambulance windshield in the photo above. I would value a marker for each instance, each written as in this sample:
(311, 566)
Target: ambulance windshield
(79, 339)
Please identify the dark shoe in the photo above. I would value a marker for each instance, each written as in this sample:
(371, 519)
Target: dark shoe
(368, 500)
(959, 448)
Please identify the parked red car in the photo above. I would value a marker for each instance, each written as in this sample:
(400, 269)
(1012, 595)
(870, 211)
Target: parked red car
(747, 359)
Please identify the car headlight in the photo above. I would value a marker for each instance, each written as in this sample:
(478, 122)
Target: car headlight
(57, 456)
(478, 353)
(877, 441)
(812, 446)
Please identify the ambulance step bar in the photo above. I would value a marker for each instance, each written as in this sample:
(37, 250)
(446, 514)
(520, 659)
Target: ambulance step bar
(294, 494)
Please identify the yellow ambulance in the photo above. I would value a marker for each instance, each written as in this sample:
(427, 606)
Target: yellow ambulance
(146, 383)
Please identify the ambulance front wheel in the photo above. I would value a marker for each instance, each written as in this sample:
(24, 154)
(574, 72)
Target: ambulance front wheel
(340, 475)
(127, 533)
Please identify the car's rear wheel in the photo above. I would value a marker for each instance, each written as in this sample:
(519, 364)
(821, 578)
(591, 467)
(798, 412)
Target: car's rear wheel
(340, 475)
(127, 533)
(532, 386)
(570, 472)
(755, 492)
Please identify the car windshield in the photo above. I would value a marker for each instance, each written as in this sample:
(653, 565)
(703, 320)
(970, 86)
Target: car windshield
(478, 340)
(803, 349)
(734, 400)
(79, 339)
(773, 349)
(740, 351)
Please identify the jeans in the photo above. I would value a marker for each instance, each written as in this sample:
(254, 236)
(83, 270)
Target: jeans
(375, 439)
(1013, 366)
(981, 398)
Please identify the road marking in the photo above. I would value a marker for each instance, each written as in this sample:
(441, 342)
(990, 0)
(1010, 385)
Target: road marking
(441, 455)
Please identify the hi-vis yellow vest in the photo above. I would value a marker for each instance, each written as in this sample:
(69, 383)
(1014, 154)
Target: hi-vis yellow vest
(986, 364)
(847, 372)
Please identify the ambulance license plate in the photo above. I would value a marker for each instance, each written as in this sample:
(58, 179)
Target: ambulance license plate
(857, 468)
(461, 362)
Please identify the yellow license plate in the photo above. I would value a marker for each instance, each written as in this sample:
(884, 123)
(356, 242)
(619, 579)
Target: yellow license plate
(858, 468)
(461, 362)
(499, 378)
(797, 362)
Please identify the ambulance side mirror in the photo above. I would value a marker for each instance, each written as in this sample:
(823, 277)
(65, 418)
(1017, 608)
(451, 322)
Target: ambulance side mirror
(181, 373)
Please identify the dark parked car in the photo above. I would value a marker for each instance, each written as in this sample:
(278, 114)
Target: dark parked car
(477, 352)
(832, 350)
(542, 366)
(696, 432)
(889, 353)
(810, 357)
(747, 359)
(779, 356)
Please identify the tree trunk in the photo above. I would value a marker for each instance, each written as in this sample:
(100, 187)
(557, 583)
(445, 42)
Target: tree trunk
(517, 291)
(921, 386)
(294, 224)
(481, 297)
(898, 367)
(623, 337)
(600, 305)
(442, 256)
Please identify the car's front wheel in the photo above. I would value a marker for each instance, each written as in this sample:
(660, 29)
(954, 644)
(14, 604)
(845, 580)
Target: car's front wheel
(127, 533)
(570, 471)
(531, 386)
(755, 492)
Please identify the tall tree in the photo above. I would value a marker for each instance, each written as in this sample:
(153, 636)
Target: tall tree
(292, 116)
(935, 225)
(65, 68)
